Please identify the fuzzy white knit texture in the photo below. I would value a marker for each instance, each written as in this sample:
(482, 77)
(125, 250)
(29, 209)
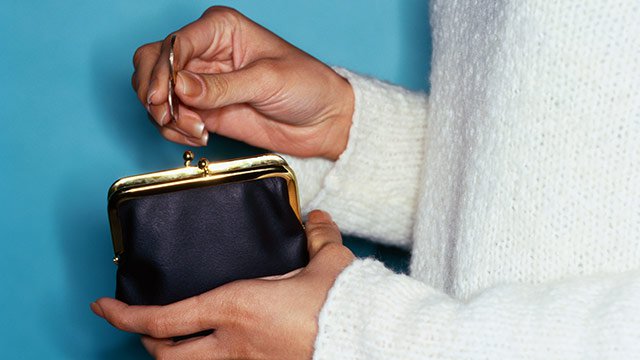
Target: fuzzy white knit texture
(386, 145)
(516, 186)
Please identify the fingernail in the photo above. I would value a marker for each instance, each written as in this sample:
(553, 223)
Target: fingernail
(189, 83)
(193, 126)
(192, 142)
(153, 88)
(163, 119)
(205, 138)
(97, 309)
(198, 129)
(199, 141)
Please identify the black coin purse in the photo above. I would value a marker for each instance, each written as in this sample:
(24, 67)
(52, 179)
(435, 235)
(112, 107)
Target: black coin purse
(181, 232)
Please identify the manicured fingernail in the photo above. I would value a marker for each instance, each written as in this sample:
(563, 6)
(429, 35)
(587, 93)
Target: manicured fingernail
(194, 129)
(192, 143)
(189, 83)
(97, 309)
(201, 140)
(205, 138)
(191, 125)
(153, 88)
(198, 128)
(163, 119)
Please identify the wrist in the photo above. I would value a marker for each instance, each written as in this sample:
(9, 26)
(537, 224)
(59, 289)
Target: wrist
(340, 125)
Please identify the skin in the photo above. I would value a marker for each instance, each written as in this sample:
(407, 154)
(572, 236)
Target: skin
(240, 80)
(269, 318)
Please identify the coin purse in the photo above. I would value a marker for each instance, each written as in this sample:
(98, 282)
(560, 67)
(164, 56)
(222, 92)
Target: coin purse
(181, 232)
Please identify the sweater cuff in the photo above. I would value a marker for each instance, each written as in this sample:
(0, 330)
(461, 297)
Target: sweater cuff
(337, 330)
(371, 190)
(348, 325)
(310, 176)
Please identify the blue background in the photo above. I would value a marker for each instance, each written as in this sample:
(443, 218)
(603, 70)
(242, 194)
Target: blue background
(71, 125)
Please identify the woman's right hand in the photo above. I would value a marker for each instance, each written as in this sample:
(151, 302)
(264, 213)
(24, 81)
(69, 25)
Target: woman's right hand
(240, 80)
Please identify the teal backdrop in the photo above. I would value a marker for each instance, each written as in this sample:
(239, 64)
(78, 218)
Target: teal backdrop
(71, 125)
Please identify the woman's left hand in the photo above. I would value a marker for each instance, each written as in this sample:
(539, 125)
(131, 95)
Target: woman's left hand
(275, 317)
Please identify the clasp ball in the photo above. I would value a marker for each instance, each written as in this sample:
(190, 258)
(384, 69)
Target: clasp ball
(188, 155)
(203, 164)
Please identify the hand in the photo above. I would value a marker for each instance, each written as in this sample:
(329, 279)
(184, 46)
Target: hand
(273, 318)
(239, 80)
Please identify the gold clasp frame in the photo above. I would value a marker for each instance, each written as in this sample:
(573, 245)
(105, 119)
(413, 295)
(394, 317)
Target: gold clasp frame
(205, 174)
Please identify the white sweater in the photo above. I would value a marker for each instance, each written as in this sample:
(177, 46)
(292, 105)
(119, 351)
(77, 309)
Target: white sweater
(516, 184)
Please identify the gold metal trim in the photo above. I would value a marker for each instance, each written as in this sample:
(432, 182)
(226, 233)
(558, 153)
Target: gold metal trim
(205, 174)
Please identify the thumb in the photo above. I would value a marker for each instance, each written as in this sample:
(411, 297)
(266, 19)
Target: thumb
(211, 91)
(321, 231)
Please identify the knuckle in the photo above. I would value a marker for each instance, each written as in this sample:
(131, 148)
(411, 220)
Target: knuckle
(136, 57)
(315, 246)
(221, 11)
(328, 245)
(118, 322)
(319, 237)
(201, 307)
(315, 232)
(217, 87)
(141, 52)
(134, 81)
(320, 230)
(224, 16)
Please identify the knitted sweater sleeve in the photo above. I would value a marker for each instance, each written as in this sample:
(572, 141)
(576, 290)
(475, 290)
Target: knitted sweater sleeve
(372, 313)
(371, 190)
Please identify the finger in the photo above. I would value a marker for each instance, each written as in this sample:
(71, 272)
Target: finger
(171, 134)
(210, 91)
(191, 41)
(146, 57)
(194, 348)
(212, 36)
(187, 45)
(189, 123)
(143, 61)
(321, 230)
(153, 345)
(219, 31)
(181, 318)
(159, 113)
(159, 78)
